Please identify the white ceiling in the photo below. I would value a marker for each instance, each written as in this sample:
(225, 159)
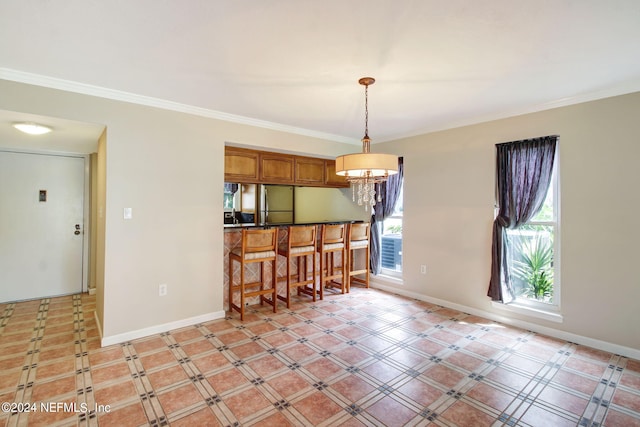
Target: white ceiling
(294, 64)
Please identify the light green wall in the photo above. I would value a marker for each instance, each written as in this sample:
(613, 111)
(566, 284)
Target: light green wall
(327, 204)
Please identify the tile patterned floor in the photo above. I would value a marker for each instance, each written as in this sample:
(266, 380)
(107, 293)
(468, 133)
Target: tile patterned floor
(366, 358)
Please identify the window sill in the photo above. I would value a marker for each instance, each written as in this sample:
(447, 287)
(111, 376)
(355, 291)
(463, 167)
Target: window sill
(513, 307)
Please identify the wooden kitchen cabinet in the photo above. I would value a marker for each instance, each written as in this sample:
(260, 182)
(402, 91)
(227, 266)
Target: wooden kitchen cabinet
(243, 165)
(240, 165)
(333, 180)
(276, 168)
(309, 171)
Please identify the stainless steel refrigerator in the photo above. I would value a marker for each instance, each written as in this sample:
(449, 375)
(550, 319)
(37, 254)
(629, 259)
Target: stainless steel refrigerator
(276, 204)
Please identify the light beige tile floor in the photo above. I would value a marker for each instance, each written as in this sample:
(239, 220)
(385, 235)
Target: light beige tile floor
(364, 358)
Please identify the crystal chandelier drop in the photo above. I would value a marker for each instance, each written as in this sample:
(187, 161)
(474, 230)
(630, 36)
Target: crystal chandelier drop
(365, 170)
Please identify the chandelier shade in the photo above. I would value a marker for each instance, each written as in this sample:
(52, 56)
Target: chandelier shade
(364, 170)
(361, 165)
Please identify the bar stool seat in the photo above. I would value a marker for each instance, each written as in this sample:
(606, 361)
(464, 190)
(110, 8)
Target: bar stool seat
(257, 246)
(301, 243)
(358, 241)
(330, 244)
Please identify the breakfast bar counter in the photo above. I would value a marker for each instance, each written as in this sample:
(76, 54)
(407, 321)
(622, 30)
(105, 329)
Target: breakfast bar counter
(233, 238)
(238, 227)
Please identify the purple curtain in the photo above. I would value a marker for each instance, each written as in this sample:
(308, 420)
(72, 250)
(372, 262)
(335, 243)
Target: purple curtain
(523, 174)
(389, 192)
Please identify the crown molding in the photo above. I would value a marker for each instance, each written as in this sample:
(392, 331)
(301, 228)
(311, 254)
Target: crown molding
(117, 95)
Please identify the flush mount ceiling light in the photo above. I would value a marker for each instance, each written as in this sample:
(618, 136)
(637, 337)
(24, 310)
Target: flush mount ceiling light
(364, 170)
(32, 128)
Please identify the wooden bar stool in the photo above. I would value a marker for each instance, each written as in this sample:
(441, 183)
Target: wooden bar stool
(332, 243)
(301, 243)
(261, 246)
(358, 241)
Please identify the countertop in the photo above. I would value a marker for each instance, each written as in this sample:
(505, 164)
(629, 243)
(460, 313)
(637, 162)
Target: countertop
(231, 227)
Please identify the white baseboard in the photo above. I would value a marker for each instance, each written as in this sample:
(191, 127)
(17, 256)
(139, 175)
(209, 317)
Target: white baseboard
(555, 333)
(157, 329)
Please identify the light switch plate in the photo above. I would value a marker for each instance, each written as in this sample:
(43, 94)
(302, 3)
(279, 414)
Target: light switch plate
(128, 213)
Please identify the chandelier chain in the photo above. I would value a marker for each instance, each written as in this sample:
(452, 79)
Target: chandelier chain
(366, 111)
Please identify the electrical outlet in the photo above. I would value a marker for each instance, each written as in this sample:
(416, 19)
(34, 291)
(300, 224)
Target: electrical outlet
(162, 290)
(423, 269)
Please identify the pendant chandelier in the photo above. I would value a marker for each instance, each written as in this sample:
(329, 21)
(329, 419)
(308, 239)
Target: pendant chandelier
(365, 170)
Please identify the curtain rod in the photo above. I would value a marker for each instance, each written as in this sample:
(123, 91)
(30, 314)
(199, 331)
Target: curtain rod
(529, 139)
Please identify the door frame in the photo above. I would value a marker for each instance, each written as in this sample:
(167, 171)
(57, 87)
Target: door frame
(86, 214)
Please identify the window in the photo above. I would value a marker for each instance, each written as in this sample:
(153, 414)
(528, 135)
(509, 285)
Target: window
(391, 247)
(524, 253)
(386, 225)
(228, 201)
(532, 250)
(231, 196)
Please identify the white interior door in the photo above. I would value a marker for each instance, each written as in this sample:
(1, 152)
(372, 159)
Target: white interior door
(41, 225)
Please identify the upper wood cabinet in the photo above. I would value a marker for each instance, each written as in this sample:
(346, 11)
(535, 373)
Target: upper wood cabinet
(309, 171)
(333, 180)
(264, 167)
(240, 165)
(276, 168)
